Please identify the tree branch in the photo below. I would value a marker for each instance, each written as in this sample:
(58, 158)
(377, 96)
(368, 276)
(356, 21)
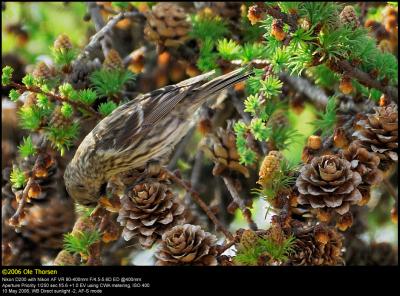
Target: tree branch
(302, 85)
(55, 97)
(103, 31)
(201, 203)
(239, 201)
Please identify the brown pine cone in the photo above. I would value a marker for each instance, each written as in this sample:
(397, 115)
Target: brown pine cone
(45, 224)
(248, 240)
(79, 78)
(57, 119)
(187, 245)
(222, 149)
(16, 249)
(366, 164)
(349, 16)
(329, 182)
(62, 42)
(113, 60)
(269, 167)
(167, 25)
(378, 133)
(148, 209)
(42, 71)
(310, 249)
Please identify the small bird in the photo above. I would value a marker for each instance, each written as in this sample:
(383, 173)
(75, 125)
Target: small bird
(142, 131)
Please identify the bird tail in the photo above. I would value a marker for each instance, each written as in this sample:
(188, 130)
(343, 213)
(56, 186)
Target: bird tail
(221, 82)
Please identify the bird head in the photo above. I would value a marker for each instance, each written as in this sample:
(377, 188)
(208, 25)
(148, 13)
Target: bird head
(84, 191)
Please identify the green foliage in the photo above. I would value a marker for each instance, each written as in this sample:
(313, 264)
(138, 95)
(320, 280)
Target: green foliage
(84, 211)
(27, 148)
(87, 96)
(323, 13)
(62, 138)
(259, 129)
(251, 51)
(252, 104)
(283, 179)
(43, 102)
(6, 75)
(300, 59)
(29, 80)
(327, 119)
(110, 82)
(67, 110)
(247, 156)
(17, 178)
(279, 59)
(63, 56)
(228, 49)
(253, 83)
(107, 107)
(284, 136)
(66, 90)
(14, 95)
(323, 76)
(208, 27)
(80, 243)
(30, 117)
(264, 246)
(208, 58)
(287, 7)
(271, 86)
(121, 5)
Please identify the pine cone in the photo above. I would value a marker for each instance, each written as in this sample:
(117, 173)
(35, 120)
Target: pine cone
(269, 167)
(148, 209)
(79, 78)
(379, 134)
(349, 16)
(309, 250)
(187, 245)
(42, 71)
(222, 149)
(45, 224)
(366, 164)
(248, 240)
(62, 42)
(329, 182)
(16, 249)
(167, 25)
(113, 61)
(57, 119)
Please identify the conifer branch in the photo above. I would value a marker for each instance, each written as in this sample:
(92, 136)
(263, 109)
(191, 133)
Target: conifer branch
(196, 196)
(55, 97)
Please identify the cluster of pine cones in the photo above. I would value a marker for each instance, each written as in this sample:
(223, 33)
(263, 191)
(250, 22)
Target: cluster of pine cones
(332, 183)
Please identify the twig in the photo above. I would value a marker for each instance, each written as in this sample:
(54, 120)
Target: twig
(94, 11)
(390, 189)
(52, 96)
(239, 106)
(342, 65)
(14, 220)
(201, 203)
(94, 41)
(225, 247)
(366, 79)
(302, 85)
(239, 201)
